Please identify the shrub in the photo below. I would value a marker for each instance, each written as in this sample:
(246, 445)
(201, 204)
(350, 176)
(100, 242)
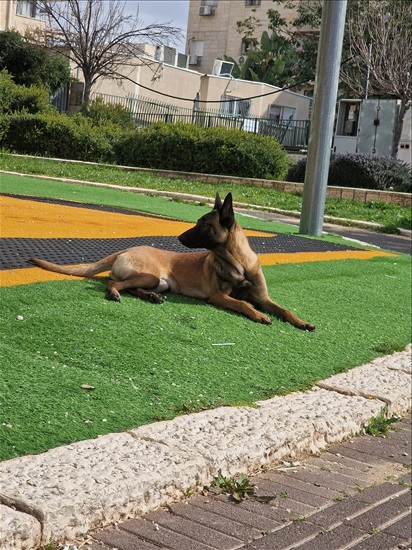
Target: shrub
(370, 172)
(56, 135)
(188, 147)
(296, 173)
(362, 171)
(16, 98)
(104, 114)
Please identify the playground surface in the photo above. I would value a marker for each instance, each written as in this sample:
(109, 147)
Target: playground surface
(55, 230)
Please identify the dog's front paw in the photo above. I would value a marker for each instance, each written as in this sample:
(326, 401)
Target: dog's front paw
(308, 327)
(114, 296)
(264, 320)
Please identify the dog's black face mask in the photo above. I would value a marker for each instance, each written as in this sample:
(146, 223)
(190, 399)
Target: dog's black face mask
(211, 229)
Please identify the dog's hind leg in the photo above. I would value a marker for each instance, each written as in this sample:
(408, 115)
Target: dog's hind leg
(143, 285)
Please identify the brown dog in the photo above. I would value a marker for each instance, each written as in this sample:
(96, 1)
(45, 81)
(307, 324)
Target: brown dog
(228, 276)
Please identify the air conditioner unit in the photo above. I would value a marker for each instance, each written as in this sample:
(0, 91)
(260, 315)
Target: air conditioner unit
(194, 60)
(205, 10)
(241, 59)
(222, 68)
(166, 54)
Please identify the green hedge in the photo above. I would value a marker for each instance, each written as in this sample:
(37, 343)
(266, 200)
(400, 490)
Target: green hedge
(104, 114)
(55, 135)
(190, 148)
(182, 147)
(370, 172)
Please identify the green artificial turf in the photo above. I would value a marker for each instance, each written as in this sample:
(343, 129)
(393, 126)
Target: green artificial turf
(149, 362)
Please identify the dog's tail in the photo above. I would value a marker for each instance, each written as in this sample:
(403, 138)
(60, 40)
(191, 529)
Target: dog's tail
(88, 271)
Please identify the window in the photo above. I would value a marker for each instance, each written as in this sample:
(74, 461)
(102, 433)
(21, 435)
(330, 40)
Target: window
(247, 44)
(235, 106)
(27, 8)
(289, 113)
(252, 2)
(277, 112)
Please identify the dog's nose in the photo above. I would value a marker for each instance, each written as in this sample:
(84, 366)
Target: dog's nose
(182, 239)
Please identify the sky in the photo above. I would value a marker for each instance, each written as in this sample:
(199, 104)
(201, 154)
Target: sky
(162, 11)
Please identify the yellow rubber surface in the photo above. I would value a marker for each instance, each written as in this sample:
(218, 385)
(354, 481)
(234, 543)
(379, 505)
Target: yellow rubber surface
(40, 220)
(14, 277)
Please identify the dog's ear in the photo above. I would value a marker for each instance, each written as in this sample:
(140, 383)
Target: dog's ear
(218, 202)
(226, 214)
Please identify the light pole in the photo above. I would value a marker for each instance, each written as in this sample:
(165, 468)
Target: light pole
(321, 127)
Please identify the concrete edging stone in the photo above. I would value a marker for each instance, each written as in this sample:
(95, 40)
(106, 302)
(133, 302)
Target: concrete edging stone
(67, 491)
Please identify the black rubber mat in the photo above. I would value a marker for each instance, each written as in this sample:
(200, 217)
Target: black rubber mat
(14, 253)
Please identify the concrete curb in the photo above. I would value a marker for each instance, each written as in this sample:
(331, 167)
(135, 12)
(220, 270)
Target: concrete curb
(208, 200)
(67, 491)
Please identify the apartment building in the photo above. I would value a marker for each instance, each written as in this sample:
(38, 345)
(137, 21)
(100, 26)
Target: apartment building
(20, 15)
(212, 30)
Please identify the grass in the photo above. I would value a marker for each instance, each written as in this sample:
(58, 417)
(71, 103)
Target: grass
(239, 488)
(149, 362)
(391, 216)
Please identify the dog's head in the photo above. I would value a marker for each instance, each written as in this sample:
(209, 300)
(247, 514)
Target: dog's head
(212, 229)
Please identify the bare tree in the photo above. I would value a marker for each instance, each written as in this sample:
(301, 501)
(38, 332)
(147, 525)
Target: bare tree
(99, 37)
(380, 43)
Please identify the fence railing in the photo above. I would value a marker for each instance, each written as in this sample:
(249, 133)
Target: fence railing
(290, 133)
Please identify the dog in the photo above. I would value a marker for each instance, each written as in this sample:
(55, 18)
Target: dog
(228, 275)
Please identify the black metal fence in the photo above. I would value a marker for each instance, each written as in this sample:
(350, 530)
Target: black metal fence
(60, 99)
(290, 133)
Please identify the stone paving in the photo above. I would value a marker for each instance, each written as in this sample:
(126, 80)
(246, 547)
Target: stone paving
(73, 491)
(355, 495)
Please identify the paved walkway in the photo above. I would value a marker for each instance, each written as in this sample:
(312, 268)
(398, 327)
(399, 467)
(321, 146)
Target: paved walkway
(355, 495)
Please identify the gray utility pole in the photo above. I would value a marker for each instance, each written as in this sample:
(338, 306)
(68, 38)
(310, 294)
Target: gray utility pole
(321, 127)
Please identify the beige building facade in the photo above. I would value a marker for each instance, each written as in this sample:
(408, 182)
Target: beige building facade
(212, 30)
(20, 15)
(160, 82)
